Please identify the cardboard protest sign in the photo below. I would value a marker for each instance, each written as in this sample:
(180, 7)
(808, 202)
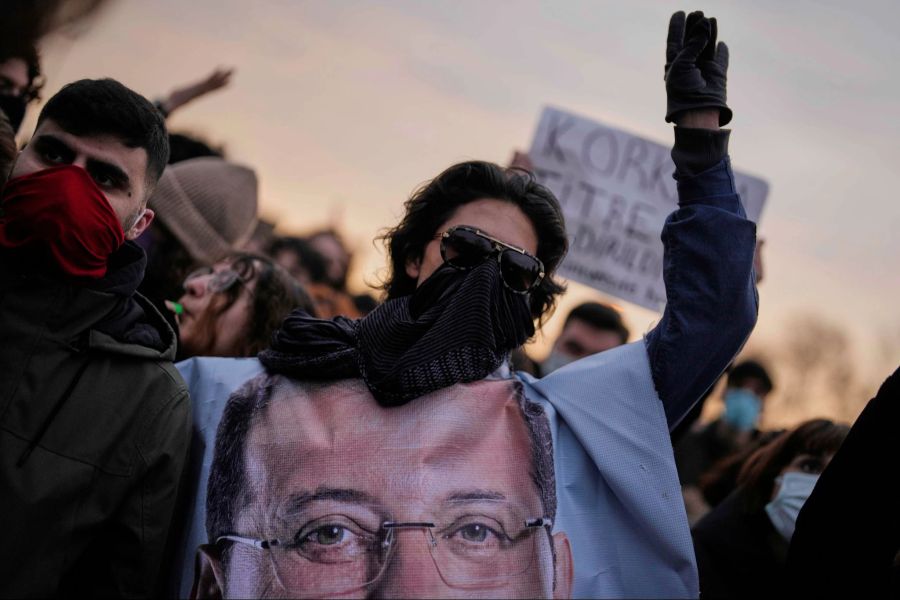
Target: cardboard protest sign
(616, 190)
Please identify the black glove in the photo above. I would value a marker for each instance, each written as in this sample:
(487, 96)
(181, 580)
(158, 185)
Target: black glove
(695, 66)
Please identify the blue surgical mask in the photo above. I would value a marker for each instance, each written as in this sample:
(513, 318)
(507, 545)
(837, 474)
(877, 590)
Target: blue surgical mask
(742, 408)
(792, 495)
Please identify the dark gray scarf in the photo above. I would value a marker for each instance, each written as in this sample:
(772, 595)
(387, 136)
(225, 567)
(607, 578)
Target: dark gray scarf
(457, 327)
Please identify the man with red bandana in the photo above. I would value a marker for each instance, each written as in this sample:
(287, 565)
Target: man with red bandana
(94, 419)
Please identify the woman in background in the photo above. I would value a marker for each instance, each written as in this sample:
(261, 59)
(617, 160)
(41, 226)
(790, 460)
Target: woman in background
(742, 544)
(232, 308)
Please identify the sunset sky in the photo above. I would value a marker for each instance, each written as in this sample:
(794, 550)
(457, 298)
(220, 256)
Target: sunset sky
(344, 107)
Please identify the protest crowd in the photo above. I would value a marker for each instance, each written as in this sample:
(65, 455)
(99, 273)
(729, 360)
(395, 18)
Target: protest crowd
(161, 340)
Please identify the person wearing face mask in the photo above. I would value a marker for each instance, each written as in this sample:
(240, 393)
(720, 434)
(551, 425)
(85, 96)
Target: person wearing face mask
(472, 268)
(747, 387)
(590, 328)
(94, 418)
(20, 83)
(742, 544)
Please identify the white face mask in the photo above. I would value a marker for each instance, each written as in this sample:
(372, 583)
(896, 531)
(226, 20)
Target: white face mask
(785, 507)
(556, 360)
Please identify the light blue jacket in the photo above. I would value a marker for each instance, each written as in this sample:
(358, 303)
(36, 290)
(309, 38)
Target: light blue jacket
(619, 499)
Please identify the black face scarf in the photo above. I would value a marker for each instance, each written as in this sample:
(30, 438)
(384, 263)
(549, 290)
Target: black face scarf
(457, 327)
(14, 108)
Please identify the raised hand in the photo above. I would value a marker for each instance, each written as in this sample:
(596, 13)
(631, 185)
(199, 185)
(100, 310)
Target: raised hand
(181, 96)
(696, 68)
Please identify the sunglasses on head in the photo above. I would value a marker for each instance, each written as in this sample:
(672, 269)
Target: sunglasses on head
(238, 272)
(464, 247)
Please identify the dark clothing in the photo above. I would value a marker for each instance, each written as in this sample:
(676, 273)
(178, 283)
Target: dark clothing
(701, 449)
(739, 553)
(847, 539)
(709, 233)
(686, 426)
(94, 431)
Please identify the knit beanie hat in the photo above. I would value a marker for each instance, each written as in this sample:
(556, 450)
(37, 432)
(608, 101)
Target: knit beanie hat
(209, 205)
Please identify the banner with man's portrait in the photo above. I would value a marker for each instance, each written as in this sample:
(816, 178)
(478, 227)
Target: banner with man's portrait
(313, 489)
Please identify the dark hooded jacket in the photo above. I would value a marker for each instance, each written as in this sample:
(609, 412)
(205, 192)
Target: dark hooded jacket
(94, 432)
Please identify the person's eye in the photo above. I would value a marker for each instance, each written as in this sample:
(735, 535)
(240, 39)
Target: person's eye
(104, 180)
(575, 349)
(476, 532)
(476, 536)
(813, 466)
(328, 535)
(332, 540)
(52, 155)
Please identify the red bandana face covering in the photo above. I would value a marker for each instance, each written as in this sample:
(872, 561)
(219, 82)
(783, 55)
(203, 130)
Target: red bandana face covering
(62, 214)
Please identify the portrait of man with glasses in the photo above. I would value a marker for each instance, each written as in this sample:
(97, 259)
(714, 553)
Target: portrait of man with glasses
(316, 490)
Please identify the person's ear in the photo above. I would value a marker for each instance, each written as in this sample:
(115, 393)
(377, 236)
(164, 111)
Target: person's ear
(414, 267)
(563, 570)
(209, 575)
(141, 224)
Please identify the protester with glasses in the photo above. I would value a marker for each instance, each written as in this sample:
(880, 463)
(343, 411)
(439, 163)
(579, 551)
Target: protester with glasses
(471, 269)
(232, 308)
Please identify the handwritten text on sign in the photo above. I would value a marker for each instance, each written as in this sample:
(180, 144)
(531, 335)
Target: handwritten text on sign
(616, 190)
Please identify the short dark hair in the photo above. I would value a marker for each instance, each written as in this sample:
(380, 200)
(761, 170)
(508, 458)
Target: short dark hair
(341, 282)
(185, 147)
(307, 256)
(29, 54)
(600, 316)
(436, 201)
(227, 492)
(817, 437)
(747, 370)
(106, 107)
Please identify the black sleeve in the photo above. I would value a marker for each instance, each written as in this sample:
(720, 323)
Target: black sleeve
(848, 532)
(696, 150)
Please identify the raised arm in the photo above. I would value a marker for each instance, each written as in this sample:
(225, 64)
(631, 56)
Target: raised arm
(188, 93)
(709, 243)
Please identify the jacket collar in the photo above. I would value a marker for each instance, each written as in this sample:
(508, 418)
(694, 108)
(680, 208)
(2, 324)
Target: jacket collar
(106, 314)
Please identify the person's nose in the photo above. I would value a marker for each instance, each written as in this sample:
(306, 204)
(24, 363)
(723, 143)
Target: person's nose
(196, 286)
(412, 572)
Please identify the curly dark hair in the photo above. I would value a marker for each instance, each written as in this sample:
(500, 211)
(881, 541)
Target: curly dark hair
(275, 295)
(435, 202)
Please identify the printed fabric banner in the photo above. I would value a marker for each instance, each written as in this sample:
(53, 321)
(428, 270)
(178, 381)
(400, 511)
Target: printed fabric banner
(311, 489)
(616, 190)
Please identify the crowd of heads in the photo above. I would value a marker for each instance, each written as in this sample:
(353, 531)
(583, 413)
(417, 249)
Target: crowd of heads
(226, 281)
